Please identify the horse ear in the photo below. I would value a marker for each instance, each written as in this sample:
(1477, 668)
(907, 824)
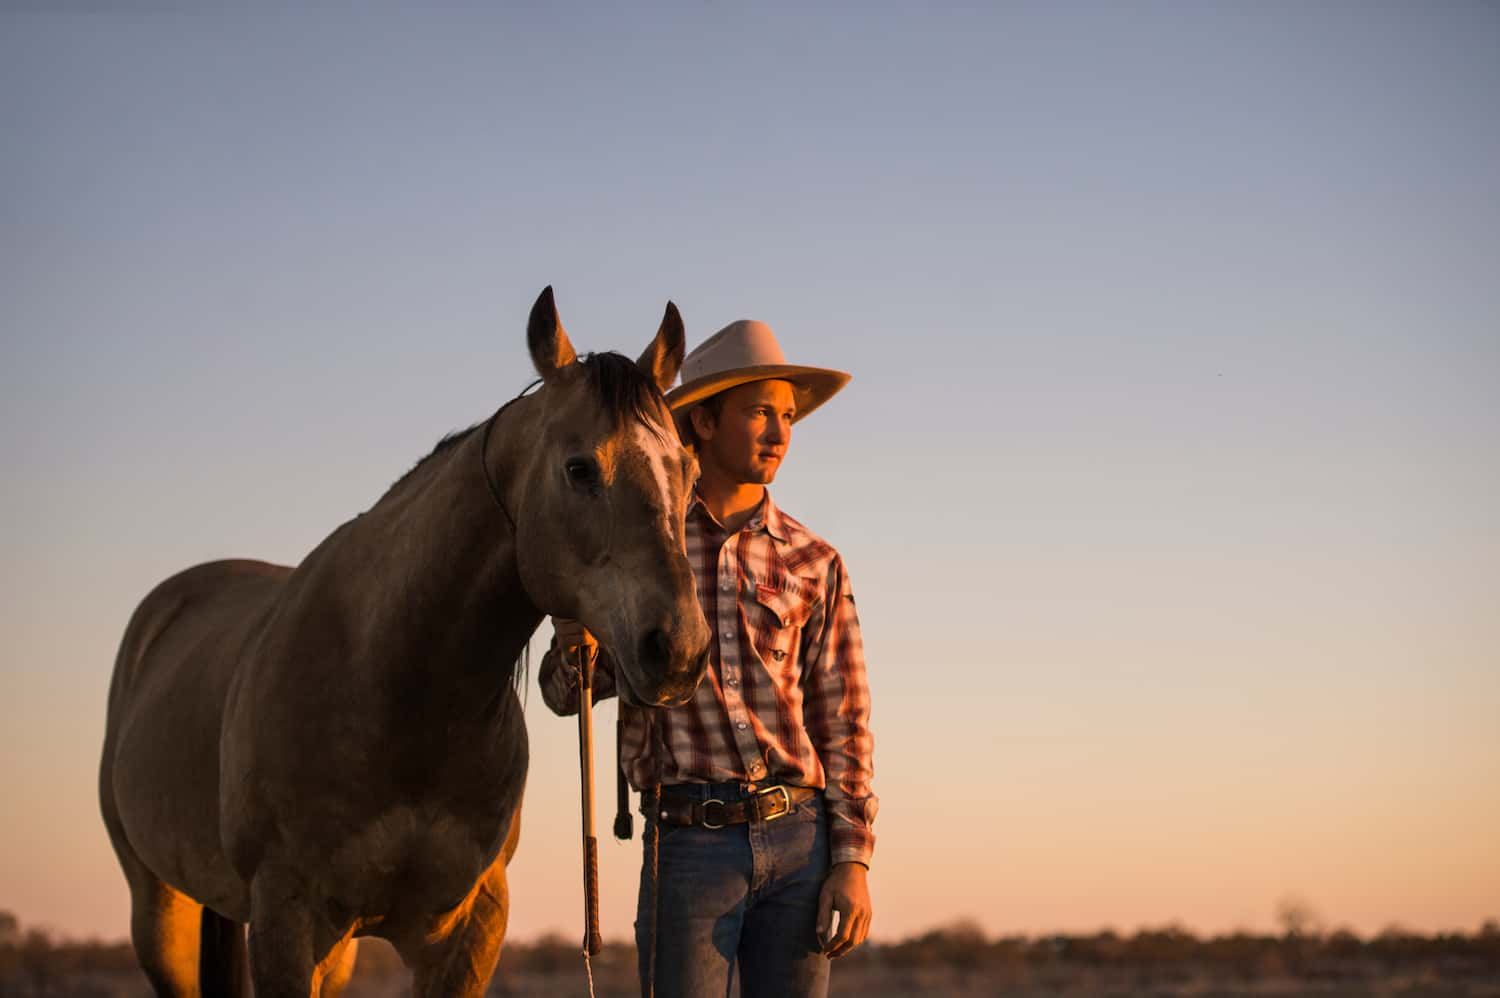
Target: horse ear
(663, 357)
(551, 350)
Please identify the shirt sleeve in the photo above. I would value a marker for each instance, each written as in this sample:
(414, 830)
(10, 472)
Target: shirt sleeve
(837, 712)
(559, 680)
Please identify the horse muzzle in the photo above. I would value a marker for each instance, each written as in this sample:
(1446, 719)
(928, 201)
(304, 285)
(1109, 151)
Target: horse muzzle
(664, 676)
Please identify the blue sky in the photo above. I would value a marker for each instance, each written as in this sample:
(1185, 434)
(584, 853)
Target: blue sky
(1167, 477)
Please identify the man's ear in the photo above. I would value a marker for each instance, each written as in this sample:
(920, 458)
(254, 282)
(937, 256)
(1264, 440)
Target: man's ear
(551, 350)
(703, 420)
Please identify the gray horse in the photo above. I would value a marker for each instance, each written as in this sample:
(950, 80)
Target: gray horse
(338, 749)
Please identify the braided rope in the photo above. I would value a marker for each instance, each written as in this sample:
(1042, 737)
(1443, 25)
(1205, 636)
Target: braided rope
(588, 968)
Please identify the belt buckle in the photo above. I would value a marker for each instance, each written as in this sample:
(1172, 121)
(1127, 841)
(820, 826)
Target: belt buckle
(786, 801)
(705, 822)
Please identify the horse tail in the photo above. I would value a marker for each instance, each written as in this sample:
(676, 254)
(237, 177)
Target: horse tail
(221, 958)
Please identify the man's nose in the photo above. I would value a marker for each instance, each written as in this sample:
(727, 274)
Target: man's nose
(778, 430)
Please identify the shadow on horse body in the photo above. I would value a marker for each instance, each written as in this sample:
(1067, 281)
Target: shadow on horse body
(338, 749)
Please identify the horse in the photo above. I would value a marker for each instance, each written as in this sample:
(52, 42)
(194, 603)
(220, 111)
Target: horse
(338, 750)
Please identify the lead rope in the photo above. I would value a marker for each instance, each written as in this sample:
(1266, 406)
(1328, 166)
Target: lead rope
(624, 825)
(653, 829)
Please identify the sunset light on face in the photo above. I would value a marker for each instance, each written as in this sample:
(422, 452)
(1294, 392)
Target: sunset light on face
(1166, 477)
(748, 431)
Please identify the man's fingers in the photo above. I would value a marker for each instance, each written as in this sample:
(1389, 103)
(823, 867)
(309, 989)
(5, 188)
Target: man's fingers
(858, 924)
(862, 931)
(571, 633)
(840, 940)
(845, 940)
(825, 915)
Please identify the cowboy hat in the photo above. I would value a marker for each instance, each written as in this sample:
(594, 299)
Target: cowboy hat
(746, 351)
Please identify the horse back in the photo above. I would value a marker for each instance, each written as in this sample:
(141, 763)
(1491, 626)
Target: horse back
(205, 594)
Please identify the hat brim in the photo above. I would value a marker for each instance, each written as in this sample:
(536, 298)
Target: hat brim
(813, 386)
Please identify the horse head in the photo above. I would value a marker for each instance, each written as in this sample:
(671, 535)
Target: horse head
(600, 506)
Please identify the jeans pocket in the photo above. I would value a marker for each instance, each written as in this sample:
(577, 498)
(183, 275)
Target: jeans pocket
(809, 811)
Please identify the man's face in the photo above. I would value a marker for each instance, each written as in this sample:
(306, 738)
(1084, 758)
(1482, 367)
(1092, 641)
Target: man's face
(747, 441)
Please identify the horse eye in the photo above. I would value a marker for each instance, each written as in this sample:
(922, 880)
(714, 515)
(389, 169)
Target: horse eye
(581, 472)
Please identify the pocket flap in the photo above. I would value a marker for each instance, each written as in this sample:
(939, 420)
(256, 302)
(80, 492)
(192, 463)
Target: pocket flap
(791, 609)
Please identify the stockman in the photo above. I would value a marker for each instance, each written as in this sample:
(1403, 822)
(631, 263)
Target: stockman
(757, 792)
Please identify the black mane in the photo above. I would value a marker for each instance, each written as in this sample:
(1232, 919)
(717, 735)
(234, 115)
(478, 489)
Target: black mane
(622, 389)
(625, 391)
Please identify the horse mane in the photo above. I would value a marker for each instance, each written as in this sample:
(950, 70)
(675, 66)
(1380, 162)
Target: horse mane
(625, 393)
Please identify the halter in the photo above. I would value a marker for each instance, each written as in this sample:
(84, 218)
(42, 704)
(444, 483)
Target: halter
(592, 941)
(484, 449)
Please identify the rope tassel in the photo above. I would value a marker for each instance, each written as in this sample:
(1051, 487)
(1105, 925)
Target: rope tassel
(624, 823)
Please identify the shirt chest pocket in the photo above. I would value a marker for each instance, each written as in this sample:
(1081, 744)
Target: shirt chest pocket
(777, 618)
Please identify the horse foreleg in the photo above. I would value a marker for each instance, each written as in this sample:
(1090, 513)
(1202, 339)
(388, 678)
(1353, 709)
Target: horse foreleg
(460, 962)
(292, 945)
(338, 968)
(460, 958)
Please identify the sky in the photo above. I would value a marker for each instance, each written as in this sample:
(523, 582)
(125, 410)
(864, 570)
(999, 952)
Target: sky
(1167, 479)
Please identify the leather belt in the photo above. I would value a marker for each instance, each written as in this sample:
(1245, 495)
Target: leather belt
(766, 804)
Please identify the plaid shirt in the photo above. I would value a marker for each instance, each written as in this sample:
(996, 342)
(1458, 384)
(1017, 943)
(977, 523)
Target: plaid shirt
(785, 698)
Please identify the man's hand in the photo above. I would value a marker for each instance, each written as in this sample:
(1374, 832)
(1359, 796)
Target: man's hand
(845, 892)
(571, 634)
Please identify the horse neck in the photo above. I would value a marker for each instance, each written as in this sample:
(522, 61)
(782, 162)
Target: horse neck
(447, 599)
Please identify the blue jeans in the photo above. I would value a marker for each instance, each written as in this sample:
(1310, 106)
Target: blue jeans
(744, 893)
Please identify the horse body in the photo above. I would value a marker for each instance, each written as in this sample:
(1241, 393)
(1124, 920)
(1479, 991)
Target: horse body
(338, 749)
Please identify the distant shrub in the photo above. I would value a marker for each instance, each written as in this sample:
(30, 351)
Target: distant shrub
(36, 964)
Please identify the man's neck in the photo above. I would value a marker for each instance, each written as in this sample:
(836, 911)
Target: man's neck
(731, 503)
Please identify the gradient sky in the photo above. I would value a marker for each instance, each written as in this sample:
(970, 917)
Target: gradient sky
(1167, 479)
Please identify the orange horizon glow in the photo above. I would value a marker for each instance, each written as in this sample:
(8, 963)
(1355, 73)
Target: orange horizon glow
(1166, 479)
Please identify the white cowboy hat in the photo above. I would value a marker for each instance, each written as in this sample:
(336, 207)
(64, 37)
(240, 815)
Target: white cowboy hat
(746, 351)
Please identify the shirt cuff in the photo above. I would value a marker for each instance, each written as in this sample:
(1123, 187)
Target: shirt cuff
(851, 837)
(852, 854)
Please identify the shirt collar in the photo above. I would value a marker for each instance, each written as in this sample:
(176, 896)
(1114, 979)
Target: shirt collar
(767, 515)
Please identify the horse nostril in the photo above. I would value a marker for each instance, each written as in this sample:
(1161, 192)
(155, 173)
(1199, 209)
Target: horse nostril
(656, 647)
